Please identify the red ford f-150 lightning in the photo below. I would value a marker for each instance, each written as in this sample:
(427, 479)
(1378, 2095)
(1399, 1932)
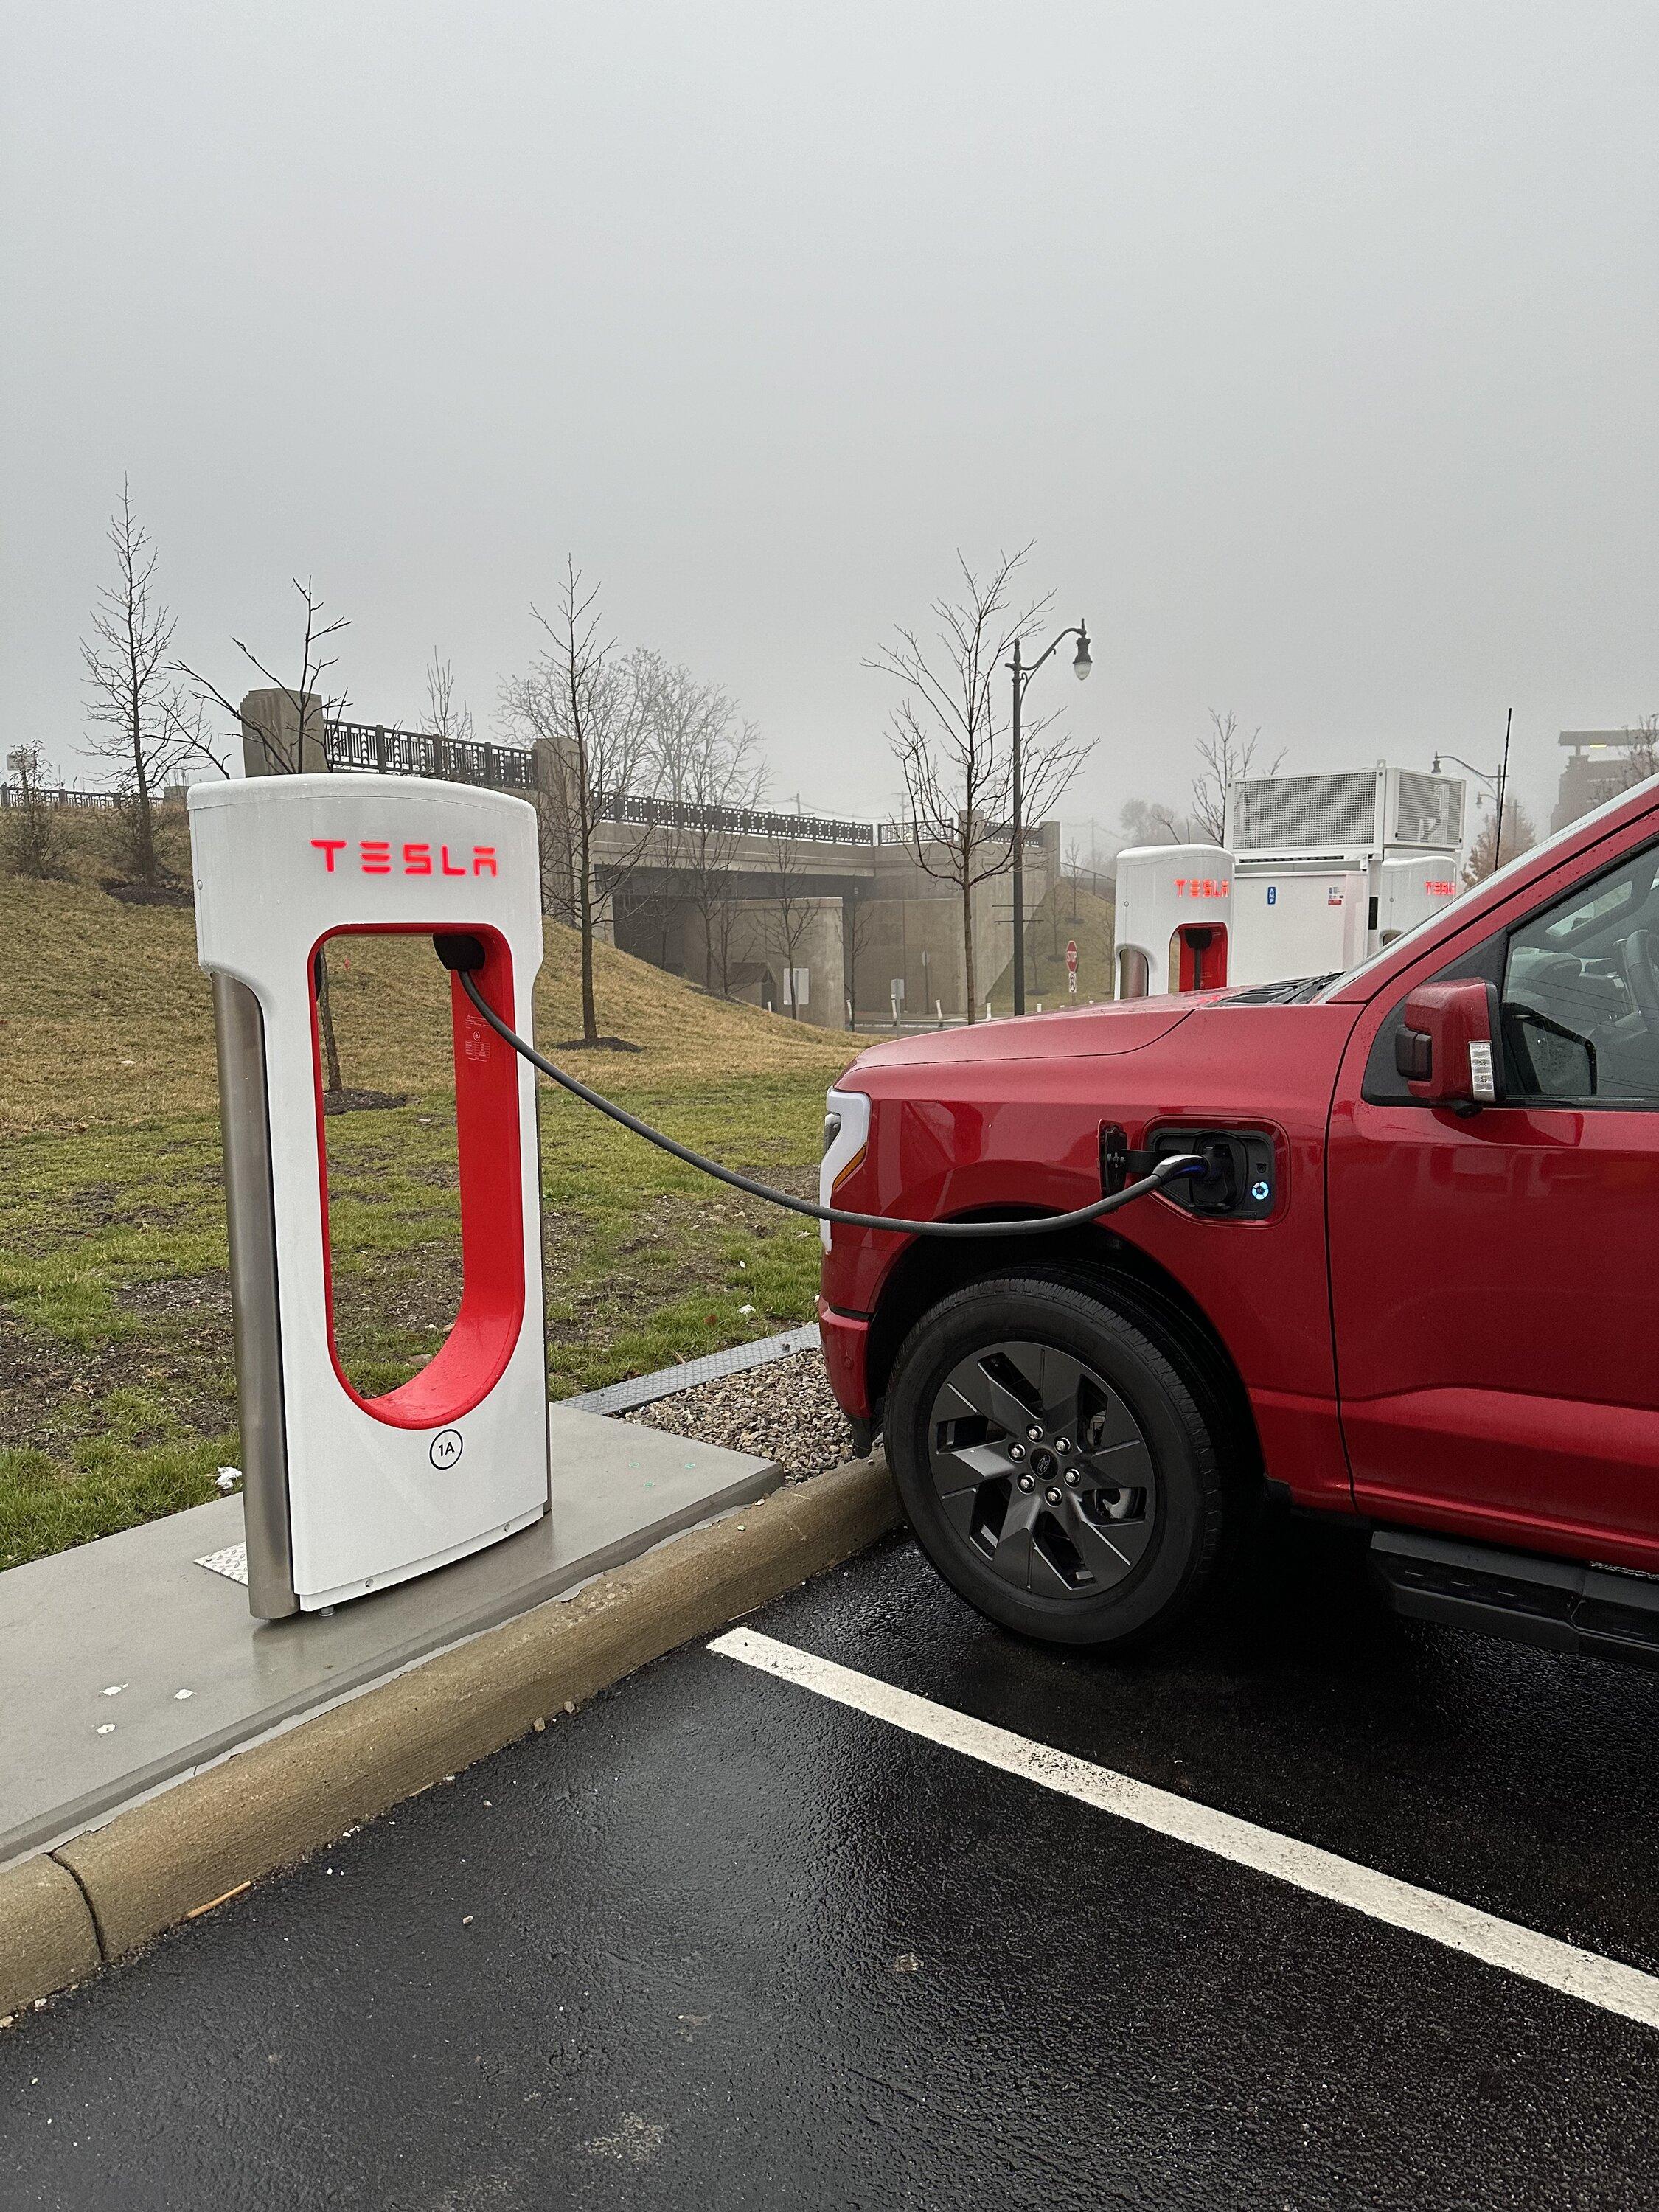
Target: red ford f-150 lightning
(1415, 1287)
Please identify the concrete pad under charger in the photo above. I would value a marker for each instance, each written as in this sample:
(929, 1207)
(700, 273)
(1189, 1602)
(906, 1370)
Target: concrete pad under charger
(128, 1665)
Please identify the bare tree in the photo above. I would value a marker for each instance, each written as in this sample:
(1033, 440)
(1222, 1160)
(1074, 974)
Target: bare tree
(285, 749)
(589, 710)
(32, 828)
(727, 915)
(1486, 855)
(313, 709)
(1072, 872)
(950, 738)
(150, 724)
(446, 715)
(1640, 757)
(1051, 905)
(708, 767)
(858, 926)
(1148, 822)
(1224, 756)
(792, 905)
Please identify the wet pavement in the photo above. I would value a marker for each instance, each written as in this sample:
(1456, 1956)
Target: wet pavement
(717, 1942)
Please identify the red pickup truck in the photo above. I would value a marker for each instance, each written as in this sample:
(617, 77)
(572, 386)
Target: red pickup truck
(1416, 1285)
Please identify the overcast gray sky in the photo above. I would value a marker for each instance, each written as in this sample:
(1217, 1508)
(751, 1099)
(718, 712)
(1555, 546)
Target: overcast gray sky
(1313, 346)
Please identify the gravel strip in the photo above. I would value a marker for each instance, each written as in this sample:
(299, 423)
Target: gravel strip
(784, 1412)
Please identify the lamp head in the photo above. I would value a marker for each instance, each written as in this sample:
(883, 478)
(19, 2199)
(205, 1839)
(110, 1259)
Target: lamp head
(1082, 663)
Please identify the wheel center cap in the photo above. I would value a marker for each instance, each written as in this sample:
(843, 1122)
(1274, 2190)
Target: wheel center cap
(1043, 1464)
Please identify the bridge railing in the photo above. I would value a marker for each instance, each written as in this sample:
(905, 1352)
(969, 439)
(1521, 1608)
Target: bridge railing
(377, 749)
(14, 795)
(374, 749)
(735, 821)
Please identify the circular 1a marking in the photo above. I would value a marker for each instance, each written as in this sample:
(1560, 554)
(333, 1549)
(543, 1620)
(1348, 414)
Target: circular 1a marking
(446, 1448)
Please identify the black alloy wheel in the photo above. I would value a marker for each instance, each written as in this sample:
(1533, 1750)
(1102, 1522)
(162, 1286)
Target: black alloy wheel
(1053, 1459)
(1042, 1468)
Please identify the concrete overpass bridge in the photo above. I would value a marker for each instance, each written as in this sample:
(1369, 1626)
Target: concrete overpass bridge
(837, 915)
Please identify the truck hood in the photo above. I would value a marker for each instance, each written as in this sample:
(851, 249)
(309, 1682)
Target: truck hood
(1073, 1033)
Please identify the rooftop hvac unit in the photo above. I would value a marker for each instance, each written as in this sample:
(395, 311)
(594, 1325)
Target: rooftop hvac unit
(1358, 814)
(1304, 813)
(1427, 810)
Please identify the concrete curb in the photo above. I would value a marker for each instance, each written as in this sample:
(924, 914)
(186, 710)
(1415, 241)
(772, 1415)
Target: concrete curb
(46, 1935)
(106, 1893)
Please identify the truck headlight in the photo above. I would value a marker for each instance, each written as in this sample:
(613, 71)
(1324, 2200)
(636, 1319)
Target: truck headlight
(846, 1132)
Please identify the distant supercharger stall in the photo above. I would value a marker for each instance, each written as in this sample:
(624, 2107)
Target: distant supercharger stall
(1316, 873)
(345, 1493)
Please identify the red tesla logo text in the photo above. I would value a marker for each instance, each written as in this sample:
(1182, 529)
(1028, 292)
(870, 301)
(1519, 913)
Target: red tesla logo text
(1200, 887)
(377, 856)
(1438, 890)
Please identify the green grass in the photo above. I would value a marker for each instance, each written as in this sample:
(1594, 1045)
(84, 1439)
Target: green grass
(116, 1381)
(117, 1377)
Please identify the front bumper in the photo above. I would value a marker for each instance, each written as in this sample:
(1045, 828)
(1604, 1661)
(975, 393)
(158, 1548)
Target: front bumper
(846, 1342)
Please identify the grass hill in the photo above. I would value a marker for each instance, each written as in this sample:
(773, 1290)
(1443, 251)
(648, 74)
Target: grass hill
(117, 1380)
(106, 1017)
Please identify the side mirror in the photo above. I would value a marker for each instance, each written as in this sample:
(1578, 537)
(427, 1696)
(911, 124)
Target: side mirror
(1447, 1046)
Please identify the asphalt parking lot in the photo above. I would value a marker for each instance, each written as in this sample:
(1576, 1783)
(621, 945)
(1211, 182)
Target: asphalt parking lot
(719, 1939)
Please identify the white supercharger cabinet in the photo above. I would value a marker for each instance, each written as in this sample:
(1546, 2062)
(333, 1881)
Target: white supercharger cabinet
(1297, 918)
(345, 1493)
(1173, 919)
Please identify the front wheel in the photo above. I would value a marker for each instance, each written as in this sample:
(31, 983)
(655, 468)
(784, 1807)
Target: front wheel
(1053, 1464)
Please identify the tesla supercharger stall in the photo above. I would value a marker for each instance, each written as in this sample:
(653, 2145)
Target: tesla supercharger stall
(345, 1493)
(1174, 919)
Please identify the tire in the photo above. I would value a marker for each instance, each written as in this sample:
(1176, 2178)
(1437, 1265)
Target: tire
(1106, 1537)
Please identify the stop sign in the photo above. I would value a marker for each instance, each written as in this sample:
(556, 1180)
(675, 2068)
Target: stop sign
(1071, 956)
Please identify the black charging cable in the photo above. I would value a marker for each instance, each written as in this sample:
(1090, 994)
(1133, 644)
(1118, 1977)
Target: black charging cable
(462, 955)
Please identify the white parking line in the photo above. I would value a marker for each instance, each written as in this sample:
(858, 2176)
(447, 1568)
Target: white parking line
(1556, 1965)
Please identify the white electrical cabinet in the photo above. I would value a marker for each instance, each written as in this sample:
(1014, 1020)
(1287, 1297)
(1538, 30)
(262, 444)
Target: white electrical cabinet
(1298, 919)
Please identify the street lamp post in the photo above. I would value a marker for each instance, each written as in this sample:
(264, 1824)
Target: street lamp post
(1022, 676)
(1497, 785)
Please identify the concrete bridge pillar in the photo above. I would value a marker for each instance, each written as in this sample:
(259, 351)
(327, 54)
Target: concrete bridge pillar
(277, 739)
(557, 800)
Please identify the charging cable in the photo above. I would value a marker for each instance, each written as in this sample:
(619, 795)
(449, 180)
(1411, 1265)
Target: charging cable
(462, 955)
